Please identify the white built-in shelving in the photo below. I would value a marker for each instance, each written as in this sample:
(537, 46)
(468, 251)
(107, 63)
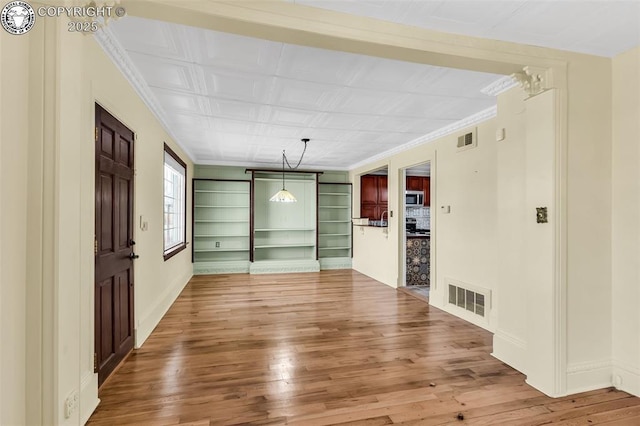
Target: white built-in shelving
(334, 224)
(221, 219)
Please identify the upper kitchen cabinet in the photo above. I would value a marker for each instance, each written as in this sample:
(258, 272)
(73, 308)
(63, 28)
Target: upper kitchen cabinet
(373, 196)
(420, 183)
(414, 183)
(426, 187)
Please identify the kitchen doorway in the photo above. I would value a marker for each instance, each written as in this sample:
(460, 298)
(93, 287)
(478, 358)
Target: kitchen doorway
(416, 211)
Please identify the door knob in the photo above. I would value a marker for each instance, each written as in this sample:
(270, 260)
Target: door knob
(132, 243)
(133, 256)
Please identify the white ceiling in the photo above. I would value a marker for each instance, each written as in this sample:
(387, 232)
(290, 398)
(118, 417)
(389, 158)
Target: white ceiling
(596, 27)
(229, 99)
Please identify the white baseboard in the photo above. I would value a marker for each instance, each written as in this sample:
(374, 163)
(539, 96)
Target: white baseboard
(510, 349)
(88, 396)
(626, 377)
(284, 266)
(150, 320)
(229, 267)
(588, 376)
(335, 263)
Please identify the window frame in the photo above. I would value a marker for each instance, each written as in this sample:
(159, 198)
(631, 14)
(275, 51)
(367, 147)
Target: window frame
(168, 254)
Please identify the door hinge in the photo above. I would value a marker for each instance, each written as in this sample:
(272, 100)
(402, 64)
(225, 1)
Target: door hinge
(96, 134)
(95, 246)
(95, 362)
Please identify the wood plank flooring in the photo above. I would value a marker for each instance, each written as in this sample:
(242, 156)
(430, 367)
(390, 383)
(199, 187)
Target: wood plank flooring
(334, 347)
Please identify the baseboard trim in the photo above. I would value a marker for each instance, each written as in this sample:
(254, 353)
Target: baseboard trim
(589, 375)
(626, 377)
(88, 396)
(150, 320)
(510, 349)
(284, 266)
(335, 263)
(230, 267)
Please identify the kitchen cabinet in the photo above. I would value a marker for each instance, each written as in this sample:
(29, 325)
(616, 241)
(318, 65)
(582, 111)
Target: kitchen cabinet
(420, 183)
(414, 183)
(373, 196)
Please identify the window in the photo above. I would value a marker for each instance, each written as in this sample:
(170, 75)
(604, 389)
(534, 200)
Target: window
(175, 203)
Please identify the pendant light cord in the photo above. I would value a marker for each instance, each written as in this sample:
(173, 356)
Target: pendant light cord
(285, 160)
(301, 156)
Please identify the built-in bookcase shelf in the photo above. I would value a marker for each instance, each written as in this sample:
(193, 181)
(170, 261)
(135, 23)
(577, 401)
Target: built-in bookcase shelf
(221, 221)
(334, 225)
(284, 234)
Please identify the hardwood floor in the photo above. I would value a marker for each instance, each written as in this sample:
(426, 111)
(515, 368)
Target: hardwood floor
(334, 347)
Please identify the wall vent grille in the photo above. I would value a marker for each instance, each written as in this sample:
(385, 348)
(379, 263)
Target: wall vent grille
(472, 300)
(467, 141)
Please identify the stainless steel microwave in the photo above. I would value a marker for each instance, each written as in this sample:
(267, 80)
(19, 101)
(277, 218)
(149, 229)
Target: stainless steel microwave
(413, 198)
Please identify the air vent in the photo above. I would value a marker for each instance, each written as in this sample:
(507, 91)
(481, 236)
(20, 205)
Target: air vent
(468, 140)
(468, 298)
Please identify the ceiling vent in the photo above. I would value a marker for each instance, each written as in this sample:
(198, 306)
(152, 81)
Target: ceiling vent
(468, 140)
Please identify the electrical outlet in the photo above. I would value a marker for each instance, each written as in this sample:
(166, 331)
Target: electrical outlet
(71, 404)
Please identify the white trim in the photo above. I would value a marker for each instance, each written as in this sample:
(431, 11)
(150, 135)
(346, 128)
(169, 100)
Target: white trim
(335, 263)
(558, 80)
(588, 375)
(510, 349)
(470, 121)
(626, 377)
(499, 86)
(226, 267)
(118, 55)
(88, 396)
(284, 266)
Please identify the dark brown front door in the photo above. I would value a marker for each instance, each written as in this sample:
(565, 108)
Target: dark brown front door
(114, 244)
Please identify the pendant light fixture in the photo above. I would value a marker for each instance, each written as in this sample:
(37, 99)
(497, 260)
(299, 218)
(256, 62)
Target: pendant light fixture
(284, 196)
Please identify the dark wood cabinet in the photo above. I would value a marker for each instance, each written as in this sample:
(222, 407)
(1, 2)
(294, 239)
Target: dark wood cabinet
(369, 189)
(382, 191)
(414, 183)
(426, 187)
(419, 183)
(373, 196)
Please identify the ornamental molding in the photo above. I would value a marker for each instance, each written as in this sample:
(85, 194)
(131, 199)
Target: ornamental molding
(500, 86)
(533, 80)
(470, 121)
(118, 55)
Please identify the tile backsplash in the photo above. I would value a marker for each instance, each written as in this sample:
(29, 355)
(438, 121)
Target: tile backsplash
(422, 216)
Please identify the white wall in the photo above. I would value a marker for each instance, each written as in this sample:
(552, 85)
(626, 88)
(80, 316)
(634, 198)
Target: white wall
(463, 242)
(626, 221)
(50, 80)
(14, 131)
(588, 225)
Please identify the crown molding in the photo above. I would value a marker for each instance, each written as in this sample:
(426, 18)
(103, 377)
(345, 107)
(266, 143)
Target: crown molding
(501, 85)
(118, 55)
(472, 120)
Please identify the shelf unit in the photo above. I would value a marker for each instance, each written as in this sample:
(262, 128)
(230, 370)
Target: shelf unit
(284, 234)
(334, 225)
(221, 219)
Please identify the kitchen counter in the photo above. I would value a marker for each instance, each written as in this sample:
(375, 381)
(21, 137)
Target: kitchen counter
(418, 235)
